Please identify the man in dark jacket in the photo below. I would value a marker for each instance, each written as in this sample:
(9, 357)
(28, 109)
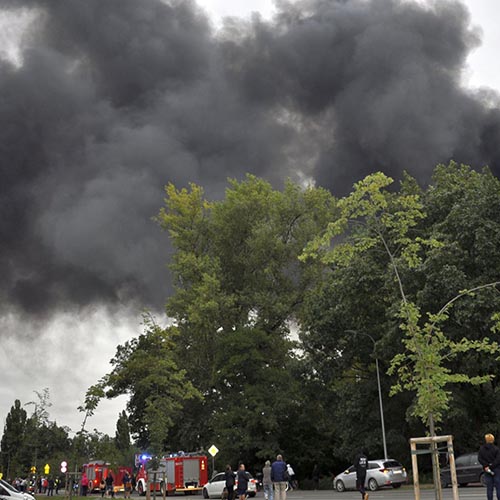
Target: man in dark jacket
(279, 477)
(361, 466)
(489, 458)
(229, 476)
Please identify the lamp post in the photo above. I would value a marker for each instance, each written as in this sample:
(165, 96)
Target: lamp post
(379, 388)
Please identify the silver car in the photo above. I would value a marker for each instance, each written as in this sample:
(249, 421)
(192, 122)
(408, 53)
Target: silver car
(380, 473)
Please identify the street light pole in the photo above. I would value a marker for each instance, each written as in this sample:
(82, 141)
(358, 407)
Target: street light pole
(378, 386)
(381, 409)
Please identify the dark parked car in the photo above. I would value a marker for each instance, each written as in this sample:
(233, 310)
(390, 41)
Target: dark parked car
(469, 470)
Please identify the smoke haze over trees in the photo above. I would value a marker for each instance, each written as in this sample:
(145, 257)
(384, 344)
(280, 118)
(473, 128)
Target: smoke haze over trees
(112, 99)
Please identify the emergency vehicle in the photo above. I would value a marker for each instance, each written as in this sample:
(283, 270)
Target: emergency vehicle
(178, 472)
(98, 471)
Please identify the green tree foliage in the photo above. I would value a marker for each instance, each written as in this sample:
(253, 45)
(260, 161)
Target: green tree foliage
(122, 436)
(31, 440)
(372, 216)
(239, 285)
(146, 369)
(13, 438)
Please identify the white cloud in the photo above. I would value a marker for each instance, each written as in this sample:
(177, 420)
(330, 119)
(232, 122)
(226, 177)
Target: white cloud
(67, 354)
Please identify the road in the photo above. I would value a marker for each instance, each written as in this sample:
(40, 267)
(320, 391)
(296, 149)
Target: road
(406, 493)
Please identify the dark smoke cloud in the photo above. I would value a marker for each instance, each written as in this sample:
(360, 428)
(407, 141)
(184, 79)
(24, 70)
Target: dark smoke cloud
(115, 98)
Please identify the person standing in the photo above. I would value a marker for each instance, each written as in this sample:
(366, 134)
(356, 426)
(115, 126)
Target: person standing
(291, 477)
(102, 487)
(267, 482)
(243, 478)
(315, 476)
(279, 477)
(229, 476)
(84, 484)
(361, 466)
(127, 485)
(110, 492)
(50, 488)
(489, 458)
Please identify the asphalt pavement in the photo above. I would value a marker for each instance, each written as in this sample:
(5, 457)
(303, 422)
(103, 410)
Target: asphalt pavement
(405, 493)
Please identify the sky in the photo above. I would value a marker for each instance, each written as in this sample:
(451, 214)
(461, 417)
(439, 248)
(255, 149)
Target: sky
(102, 106)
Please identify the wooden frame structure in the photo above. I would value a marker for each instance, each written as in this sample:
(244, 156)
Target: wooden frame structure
(432, 441)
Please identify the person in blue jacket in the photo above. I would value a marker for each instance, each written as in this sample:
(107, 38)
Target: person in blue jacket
(279, 477)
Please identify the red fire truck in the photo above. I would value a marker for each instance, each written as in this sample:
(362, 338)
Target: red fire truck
(98, 471)
(179, 472)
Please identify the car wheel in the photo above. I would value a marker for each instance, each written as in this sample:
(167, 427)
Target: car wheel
(205, 493)
(340, 486)
(140, 489)
(372, 484)
(396, 485)
(482, 479)
(444, 484)
(463, 485)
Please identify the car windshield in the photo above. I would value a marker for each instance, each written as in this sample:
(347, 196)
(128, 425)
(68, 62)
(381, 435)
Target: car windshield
(392, 463)
(8, 486)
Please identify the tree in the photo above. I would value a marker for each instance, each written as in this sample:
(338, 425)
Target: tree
(146, 369)
(40, 407)
(13, 439)
(370, 217)
(122, 436)
(238, 289)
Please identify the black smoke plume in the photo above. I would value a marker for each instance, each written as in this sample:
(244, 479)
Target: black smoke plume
(114, 98)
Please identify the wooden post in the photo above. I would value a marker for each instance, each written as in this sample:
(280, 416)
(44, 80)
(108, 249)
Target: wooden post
(453, 470)
(414, 466)
(432, 441)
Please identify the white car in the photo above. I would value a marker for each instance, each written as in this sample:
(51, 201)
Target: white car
(8, 492)
(214, 487)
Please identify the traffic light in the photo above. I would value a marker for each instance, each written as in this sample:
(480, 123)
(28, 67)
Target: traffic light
(64, 466)
(33, 469)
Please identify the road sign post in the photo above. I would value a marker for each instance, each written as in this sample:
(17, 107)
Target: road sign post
(213, 450)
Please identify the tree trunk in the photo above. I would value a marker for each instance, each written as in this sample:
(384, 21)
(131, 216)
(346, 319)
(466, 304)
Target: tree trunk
(435, 461)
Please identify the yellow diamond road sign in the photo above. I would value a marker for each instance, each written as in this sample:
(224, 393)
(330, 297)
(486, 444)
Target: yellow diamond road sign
(213, 450)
